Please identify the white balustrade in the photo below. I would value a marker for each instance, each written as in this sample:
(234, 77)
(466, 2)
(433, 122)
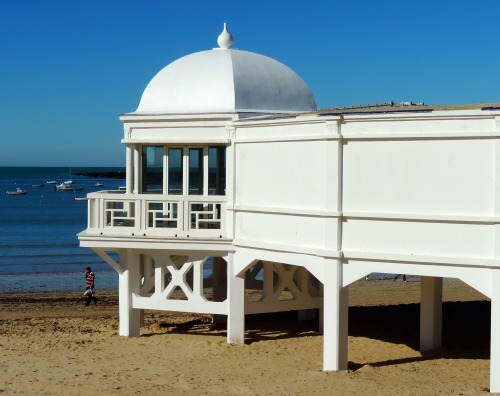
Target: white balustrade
(117, 213)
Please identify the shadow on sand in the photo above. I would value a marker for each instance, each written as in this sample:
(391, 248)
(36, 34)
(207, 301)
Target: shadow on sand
(466, 329)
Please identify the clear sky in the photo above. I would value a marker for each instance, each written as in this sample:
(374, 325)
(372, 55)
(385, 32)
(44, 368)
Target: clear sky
(69, 68)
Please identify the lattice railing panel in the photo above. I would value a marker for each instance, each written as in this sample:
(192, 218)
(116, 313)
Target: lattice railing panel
(205, 215)
(119, 213)
(152, 214)
(281, 282)
(163, 214)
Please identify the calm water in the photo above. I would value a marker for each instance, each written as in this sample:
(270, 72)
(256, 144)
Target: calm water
(38, 245)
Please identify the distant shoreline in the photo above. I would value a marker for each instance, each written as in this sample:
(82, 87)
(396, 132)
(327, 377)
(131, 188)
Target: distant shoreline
(104, 174)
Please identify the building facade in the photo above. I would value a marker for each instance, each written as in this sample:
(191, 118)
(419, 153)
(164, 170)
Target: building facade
(229, 162)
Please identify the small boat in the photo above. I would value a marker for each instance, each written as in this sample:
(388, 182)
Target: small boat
(98, 184)
(17, 192)
(77, 188)
(38, 185)
(51, 182)
(81, 199)
(63, 187)
(68, 182)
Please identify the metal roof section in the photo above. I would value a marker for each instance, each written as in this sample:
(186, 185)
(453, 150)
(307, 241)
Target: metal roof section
(383, 108)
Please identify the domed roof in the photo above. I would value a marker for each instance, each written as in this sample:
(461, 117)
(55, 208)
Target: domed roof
(225, 80)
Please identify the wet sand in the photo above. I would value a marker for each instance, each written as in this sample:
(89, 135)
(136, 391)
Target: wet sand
(51, 344)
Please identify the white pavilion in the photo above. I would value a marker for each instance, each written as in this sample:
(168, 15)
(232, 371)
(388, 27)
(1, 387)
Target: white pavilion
(228, 160)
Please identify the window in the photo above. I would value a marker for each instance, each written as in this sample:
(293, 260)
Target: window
(216, 171)
(175, 171)
(195, 171)
(152, 169)
(184, 170)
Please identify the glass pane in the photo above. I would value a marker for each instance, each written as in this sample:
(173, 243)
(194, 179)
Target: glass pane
(216, 171)
(196, 171)
(175, 171)
(152, 169)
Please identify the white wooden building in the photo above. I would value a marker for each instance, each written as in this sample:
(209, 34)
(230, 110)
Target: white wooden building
(229, 160)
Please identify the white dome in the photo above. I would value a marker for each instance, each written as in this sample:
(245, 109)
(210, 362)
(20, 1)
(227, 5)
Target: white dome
(226, 81)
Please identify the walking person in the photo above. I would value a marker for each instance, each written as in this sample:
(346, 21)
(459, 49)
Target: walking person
(89, 286)
(397, 276)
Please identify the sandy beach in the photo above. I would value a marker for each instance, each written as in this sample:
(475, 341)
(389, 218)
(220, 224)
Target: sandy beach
(51, 344)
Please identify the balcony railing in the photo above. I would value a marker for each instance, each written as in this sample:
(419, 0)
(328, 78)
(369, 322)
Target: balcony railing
(117, 213)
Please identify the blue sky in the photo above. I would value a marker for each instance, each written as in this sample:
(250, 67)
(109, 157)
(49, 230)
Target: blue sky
(70, 68)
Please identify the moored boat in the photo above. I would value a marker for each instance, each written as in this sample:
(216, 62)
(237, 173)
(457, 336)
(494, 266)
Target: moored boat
(51, 182)
(18, 191)
(63, 187)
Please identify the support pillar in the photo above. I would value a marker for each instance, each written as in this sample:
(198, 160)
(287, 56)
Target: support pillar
(219, 284)
(307, 314)
(128, 283)
(431, 302)
(236, 304)
(129, 182)
(305, 282)
(137, 170)
(495, 332)
(495, 277)
(335, 317)
(321, 313)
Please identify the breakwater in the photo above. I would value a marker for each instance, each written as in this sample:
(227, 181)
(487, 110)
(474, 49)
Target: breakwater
(104, 174)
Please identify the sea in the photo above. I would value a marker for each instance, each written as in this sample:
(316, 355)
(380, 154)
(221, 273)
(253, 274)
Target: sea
(39, 249)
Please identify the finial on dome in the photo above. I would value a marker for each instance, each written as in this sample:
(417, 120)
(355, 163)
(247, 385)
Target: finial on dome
(225, 40)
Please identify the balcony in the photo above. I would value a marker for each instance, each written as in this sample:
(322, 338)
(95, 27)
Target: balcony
(116, 213)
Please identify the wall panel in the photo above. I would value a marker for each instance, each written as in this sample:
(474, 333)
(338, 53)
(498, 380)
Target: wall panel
(418, 238)
(419, 176)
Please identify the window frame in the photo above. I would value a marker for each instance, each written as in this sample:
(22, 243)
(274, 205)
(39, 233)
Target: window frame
(221, 174)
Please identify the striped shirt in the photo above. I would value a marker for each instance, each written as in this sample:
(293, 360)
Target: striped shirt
(89, 283)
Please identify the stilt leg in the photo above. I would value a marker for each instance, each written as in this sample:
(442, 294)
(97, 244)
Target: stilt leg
(495, 332)
(219, 285)
(431, 297)
(335, 317)
(141, 317)
(130, 319)
(321, 313)
(307, 314)
(236, 302)
(305, 281)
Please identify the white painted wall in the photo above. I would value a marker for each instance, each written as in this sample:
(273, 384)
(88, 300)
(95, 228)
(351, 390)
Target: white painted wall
(418, 237)
(446, 176)
(412, 184)
(281, 174)
(286, 229)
